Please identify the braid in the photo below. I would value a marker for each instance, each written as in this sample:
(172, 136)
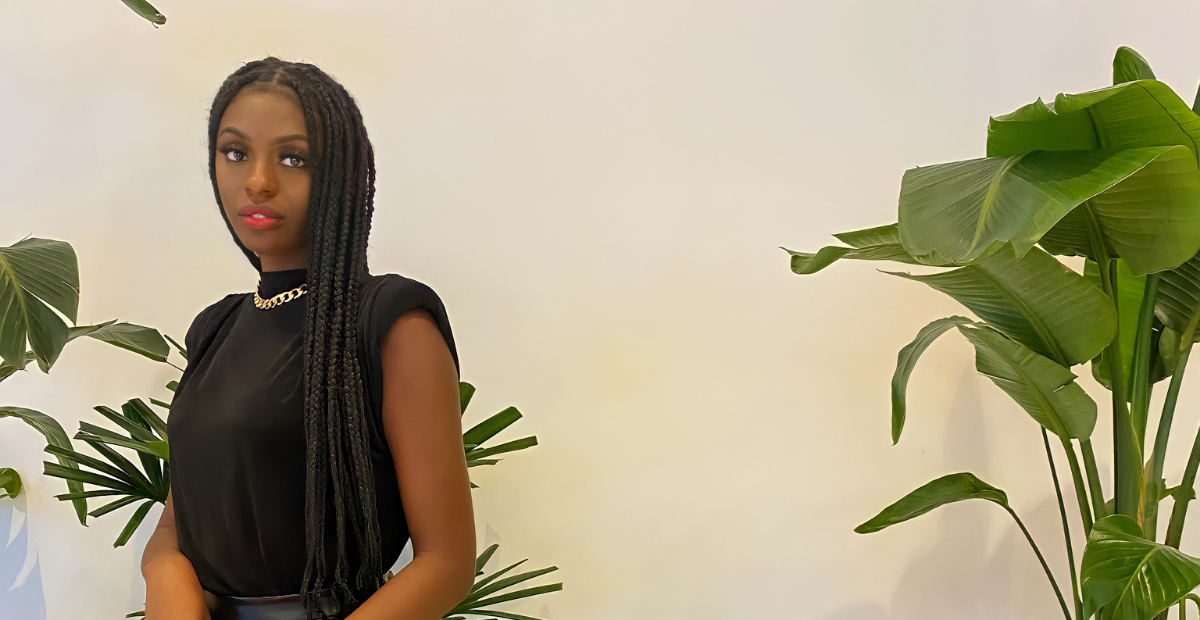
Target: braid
(341, 204)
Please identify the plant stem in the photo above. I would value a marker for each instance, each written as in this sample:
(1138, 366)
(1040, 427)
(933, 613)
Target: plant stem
(1140, 396)
(1062, 512)
(1057, 592)
(1182, 603)
(1085, 511)
(1158, 457)
(1128, 471)
(1186, 491)
(1093, 477)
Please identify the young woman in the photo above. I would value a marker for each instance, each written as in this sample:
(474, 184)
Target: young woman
(316, 426)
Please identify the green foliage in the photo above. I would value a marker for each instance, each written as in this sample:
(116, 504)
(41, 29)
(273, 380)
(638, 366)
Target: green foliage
(114, 474)
(1112, 175)
(56, 437)
(1135, 577)
(146, 11)
(10, 482)
(1052, 311)
(492, 590)
(945, 490)
(36, 274)
(475, 437)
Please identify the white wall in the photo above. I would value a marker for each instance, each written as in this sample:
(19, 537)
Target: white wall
(598, 191)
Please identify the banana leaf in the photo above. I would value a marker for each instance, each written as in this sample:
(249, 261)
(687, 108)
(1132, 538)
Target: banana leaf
(55, 436)
(881, 243)
(1044, 389)
(1140, 205)
(1033, 300)
(1134, 577)
(35, 275)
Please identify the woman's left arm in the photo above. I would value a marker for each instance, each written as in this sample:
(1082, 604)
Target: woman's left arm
(422, 423)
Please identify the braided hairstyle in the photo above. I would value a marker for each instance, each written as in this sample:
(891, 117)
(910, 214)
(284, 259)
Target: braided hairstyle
(335, 421)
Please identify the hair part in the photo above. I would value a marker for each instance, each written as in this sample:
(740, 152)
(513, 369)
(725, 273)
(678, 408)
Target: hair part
(339, 471)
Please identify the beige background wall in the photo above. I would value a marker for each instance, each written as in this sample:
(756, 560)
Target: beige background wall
(598, 191)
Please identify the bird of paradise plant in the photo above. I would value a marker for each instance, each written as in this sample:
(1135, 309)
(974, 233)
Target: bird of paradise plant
(1111, 175)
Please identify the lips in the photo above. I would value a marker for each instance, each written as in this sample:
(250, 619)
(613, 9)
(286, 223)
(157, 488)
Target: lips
(260, 217)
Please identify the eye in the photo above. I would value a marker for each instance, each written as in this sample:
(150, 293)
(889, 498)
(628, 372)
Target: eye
(296, 156)
(225, 150)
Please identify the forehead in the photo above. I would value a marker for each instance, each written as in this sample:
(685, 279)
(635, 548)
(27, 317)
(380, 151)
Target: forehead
(264, 113)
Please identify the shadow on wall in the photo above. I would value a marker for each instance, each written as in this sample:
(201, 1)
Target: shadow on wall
(21, 595)
(957, 578)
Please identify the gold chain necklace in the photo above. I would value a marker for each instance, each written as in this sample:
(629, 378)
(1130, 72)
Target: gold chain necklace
(284, 297)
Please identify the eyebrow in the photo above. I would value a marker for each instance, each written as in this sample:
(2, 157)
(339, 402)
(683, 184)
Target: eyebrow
(279, 140)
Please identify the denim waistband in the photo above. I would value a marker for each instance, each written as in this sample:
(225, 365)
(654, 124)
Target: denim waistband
(286, 607)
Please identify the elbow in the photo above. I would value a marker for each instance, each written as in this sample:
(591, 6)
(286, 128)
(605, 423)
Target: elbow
(160, 549)
(465, 573)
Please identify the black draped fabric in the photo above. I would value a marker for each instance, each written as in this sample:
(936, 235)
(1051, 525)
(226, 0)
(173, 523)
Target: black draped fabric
(237, 434)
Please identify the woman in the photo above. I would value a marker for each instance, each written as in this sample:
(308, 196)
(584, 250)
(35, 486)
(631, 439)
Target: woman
(316, 425)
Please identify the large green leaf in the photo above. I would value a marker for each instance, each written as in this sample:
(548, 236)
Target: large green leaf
(1178, 301)
(906, 361)
(10, 482)
(1135, 577)
(1152, 220)
(879, 243)
(145, 341)
(1044, 389)
(1130, 290)
(1151, 233)
(1163, 340)
(961, 210)
(1129, 65)
(1034, 300)
(1128, 115)
(55, 436)
(945, 490)
(33, 273)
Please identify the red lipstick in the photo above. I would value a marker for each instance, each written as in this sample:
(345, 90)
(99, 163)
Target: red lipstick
(260, 217)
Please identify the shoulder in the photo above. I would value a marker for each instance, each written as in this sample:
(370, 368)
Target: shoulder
(388, 296)
(211, 315)
(395, 287)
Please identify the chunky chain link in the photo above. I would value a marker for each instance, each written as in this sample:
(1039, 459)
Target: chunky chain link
(284, 297)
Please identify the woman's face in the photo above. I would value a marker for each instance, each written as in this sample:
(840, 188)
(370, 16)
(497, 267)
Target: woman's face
(263, 176)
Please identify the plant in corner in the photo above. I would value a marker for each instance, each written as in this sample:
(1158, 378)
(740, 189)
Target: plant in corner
(1111, 175)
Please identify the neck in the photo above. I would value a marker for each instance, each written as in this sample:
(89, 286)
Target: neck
(283, 262)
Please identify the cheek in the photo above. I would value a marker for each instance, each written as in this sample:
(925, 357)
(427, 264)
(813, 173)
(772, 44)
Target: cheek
(226, 185)
(302, 194)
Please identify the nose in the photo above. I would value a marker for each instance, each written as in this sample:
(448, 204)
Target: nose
(260, 179)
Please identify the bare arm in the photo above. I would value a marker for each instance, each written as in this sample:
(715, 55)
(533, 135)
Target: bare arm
(421, 418)
(172, 590)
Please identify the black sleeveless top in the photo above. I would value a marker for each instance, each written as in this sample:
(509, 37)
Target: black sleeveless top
(237, 435)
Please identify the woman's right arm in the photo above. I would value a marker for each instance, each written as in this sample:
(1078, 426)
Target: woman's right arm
(172, 589)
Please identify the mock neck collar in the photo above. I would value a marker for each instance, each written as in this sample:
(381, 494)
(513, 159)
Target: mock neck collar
(271, 283)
